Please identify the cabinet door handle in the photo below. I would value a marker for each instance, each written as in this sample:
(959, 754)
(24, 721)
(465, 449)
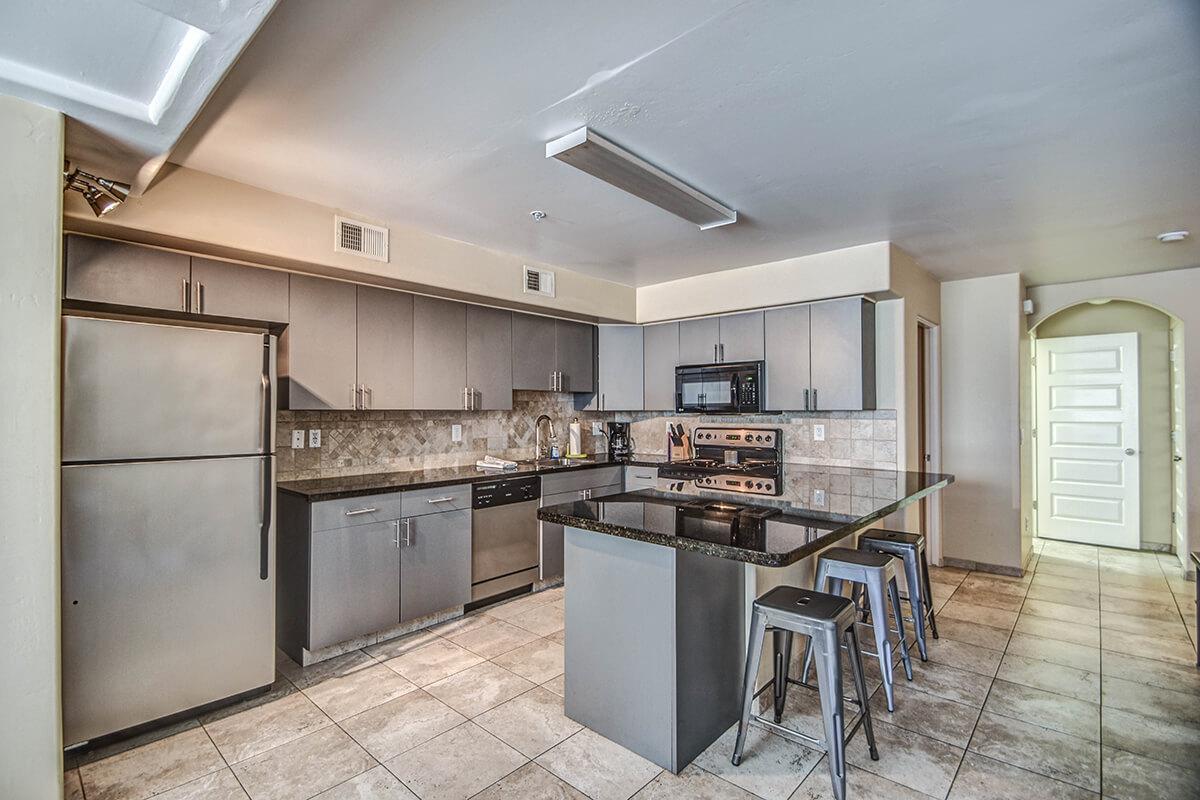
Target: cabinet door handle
(814, 408)
(722, 352)
(715, 358)
(202, 298)
(407, 540)
(396, 528)
(433, 500)
(806, 399)
(358, 511)
(184, 302)
(552, 381)
(365, 393)
(602, 401)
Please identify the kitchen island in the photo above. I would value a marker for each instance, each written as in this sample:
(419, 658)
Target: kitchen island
(659, 587)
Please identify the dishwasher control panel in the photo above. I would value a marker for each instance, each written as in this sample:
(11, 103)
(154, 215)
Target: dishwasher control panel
(503, 491)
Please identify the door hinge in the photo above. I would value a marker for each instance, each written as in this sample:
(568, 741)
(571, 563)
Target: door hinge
(1173, 518)
(1033, 433)
(1035, 505)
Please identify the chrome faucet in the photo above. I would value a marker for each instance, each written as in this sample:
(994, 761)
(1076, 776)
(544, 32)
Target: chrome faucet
(538, 451)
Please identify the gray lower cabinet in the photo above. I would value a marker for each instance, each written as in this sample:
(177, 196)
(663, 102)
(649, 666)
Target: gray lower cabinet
(439, 353)
(533, 352)
(354, 582)
(575, 355)
(318, 349)
(741, 337)
(788, 377)
(660, 355)
(620, 384)
(567, 488)
(489, 357)
(103, 271)
(843, 355)
(435, 563)
(385, 348)
(222, 289)
(700, 341)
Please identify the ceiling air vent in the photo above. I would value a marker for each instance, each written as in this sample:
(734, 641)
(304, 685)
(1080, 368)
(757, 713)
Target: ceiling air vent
(360, 238)
(539, 281)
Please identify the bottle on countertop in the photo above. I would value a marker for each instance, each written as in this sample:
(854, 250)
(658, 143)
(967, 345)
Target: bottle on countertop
(575, 438)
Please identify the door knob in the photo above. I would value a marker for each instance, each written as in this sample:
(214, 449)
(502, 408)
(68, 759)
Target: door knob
(1129, 451)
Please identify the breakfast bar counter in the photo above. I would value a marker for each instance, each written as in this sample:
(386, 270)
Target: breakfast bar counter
(660, 584)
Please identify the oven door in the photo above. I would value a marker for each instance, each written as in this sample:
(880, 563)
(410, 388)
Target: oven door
(711, 389)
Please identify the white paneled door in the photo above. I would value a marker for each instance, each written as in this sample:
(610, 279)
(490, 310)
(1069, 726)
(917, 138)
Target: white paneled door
(1087, 439)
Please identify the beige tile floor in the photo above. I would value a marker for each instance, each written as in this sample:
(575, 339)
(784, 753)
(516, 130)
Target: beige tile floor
(1077, 679)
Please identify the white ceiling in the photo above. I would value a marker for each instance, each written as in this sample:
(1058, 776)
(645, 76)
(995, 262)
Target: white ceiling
(130, 74)
(1051, 138)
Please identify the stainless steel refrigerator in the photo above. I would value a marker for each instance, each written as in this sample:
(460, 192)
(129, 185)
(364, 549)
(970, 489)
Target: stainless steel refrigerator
(168, 535)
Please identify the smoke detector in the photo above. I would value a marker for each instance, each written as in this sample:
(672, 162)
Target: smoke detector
(360, 238)
(1173, 236)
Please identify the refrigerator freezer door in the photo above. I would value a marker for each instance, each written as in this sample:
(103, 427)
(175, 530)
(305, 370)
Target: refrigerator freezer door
(134, 390)
(163, 605)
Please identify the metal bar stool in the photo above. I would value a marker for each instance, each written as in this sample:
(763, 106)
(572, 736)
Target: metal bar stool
(828, 621)
(875, 572)
(910, 549)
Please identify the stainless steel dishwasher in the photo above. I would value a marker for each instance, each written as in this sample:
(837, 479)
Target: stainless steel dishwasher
(504, 535)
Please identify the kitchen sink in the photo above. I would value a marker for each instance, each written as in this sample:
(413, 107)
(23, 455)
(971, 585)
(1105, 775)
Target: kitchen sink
(555, 462)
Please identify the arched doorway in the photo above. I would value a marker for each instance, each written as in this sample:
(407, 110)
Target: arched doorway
(1108, 426)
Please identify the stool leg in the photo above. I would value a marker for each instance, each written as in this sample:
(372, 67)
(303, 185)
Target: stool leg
(894, 591)
(819, 584)
(758, 630)
(928, 594)
(879, 624)
(860, 688)
(916, 601)
(829, 683)
(783, 659)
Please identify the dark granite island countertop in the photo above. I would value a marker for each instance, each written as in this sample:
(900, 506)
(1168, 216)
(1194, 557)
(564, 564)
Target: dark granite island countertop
(762, 530)
(338, 487)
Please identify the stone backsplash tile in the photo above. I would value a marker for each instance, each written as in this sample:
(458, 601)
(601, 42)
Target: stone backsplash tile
(359, 442)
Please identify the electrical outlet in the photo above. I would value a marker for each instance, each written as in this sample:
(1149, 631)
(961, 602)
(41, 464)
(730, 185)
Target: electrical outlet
(314, 437)
(297, 440)
(456, 433)
(818, 433)
(819, 497)
(595, 429)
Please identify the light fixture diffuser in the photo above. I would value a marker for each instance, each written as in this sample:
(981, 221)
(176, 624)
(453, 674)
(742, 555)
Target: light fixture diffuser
(587, 150)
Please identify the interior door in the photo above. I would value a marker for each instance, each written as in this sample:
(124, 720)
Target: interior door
(1178, 443)
(163, 603)
(385, 347)
(1088, 439)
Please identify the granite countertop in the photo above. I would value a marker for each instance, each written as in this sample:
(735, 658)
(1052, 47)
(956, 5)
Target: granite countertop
(335, 488)
(767, 531)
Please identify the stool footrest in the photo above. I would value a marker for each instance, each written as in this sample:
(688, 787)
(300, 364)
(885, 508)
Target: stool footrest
(804, 738)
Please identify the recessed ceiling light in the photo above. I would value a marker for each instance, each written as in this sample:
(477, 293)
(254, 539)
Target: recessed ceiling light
(538, 216)
(1173, 236)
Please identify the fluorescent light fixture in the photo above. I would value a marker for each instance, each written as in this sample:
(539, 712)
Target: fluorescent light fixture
(587, 150)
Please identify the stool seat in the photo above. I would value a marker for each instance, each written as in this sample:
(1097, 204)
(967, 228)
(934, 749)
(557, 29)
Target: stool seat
(815, 606)
(862, 558)
(901, 537)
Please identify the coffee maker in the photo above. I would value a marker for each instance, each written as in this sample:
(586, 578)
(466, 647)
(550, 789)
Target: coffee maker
(620, 443)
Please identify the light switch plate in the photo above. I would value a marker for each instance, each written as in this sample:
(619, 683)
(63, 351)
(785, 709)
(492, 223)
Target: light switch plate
(595, 429)
(297, 440)
(818, 433)
(456, 433)
(314, 437)
(819, 497)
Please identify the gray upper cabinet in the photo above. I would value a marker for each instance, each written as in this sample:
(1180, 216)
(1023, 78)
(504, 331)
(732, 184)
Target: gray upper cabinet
(575, 355)
(741, 337)
(489, 357)
(222, 289)
(620, 350)
(435, 563)
(786, 332)
(439, 353)
(660, 351)
(354, 582)
(103, 271)
(699, 341)
(385, 348)
(843, 355)
(317, 363)
(533, 352)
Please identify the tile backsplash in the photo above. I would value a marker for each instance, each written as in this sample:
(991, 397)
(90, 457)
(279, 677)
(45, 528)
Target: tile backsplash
(360, 442)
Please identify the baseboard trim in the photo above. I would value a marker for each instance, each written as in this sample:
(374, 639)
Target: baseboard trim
(980, 566)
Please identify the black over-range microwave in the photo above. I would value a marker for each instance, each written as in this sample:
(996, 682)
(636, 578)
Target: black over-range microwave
(733, 388)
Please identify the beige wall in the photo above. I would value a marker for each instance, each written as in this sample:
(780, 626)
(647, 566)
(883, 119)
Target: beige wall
(838, 273)
(1176, 292)
(191, 210)
(31, 153)
(980, 336)
(1154, 396)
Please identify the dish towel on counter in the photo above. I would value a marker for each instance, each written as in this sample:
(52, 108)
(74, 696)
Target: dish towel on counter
(493, 463)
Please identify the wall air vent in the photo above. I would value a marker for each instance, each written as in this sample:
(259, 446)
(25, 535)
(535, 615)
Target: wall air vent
(539, 281)
(360, 238)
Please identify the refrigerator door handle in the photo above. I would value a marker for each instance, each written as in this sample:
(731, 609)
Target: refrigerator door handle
(264, 544)
(268, 402)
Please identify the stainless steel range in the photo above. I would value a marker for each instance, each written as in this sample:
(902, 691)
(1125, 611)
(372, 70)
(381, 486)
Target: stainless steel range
(747, 460)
